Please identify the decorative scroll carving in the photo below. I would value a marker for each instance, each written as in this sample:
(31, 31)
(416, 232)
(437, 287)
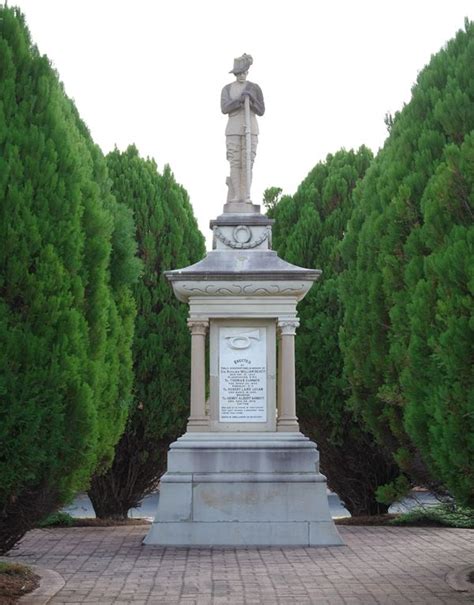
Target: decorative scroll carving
(247, 289)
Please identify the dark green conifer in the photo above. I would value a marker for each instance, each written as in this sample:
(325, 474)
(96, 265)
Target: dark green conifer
(438, 377)
(168, 238)
(407, 289)
(308, 231)
(66, 320)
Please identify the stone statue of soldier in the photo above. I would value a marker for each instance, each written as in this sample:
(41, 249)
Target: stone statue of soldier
(242, 128)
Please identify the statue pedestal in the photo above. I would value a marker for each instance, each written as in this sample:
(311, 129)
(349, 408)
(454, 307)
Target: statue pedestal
(243, 474)
(241, 208)
(243, 489)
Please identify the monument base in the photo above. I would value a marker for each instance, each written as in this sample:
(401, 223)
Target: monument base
(242, 207)
(243, 489)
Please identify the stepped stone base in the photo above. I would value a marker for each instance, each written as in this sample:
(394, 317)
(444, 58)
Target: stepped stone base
(243, 489)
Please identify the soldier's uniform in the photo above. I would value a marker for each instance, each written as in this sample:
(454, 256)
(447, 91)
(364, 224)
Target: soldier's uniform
(232, 103)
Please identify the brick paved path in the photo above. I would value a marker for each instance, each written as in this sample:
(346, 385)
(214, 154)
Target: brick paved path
(377, 565)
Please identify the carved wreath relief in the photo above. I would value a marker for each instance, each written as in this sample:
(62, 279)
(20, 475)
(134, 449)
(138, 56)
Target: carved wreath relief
(241, 237)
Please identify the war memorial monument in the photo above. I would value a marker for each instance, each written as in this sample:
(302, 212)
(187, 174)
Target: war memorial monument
(242, 474)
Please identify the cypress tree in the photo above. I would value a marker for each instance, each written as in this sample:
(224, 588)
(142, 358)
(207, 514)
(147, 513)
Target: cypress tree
(168, 237)
(65, 320)
(437, 379)
(406, 307)
(308, 231)
(111, 320)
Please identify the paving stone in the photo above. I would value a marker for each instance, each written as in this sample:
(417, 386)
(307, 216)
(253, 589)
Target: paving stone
(377, 565)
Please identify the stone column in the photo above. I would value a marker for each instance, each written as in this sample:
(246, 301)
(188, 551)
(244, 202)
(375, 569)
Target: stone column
(198, 421)
(279, 374)
(287, 420)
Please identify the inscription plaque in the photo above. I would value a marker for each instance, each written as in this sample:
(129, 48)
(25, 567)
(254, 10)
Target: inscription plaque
(242, 374)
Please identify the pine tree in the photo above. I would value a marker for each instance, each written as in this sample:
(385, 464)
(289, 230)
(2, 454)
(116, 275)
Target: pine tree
(308, 231)
(406, 307)
(111, 322)
(438, 378)
(168, 238)
(65, 320)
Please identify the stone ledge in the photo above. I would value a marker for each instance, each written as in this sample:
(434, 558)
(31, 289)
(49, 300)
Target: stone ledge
(242, 440)
(218, 477)
(243, 265)
(205, 534)
(242, 207)
(233, 220)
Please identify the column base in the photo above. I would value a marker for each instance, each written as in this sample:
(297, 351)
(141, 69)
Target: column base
(288, 424)
(196, 424)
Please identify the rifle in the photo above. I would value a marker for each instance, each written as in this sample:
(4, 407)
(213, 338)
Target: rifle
(248, 148)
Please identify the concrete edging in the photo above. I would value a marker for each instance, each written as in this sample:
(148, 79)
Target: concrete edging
(458, 579)
(51, 583)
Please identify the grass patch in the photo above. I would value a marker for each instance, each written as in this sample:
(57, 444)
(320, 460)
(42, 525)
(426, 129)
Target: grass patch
(366, 520)
(442, 515)
(10, 568)
(58, 519)
(109, 522)
(15, 581)
(61, 519)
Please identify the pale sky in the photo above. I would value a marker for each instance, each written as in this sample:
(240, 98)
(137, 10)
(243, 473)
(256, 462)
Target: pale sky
(150, 72)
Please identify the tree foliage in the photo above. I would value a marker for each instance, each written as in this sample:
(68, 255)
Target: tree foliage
(66, 315)
(308, 231)
(408, 327)
(271, 197)
(168, 238)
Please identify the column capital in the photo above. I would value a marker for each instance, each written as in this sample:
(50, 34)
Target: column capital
(198, 326)
(288, 326)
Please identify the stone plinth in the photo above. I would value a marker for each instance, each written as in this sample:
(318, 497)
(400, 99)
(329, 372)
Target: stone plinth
(243, 474)
(243, 489)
